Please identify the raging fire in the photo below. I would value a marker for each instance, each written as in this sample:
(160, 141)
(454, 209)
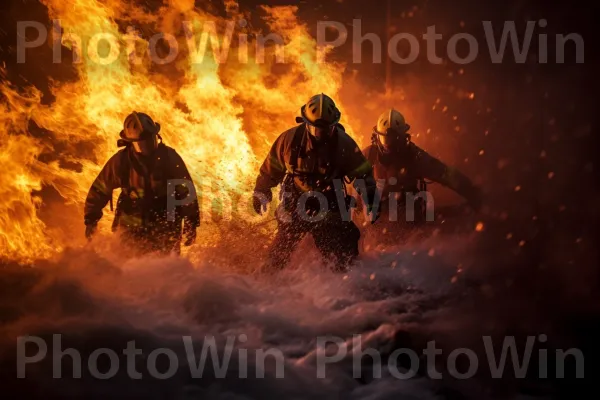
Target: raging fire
(220, 116)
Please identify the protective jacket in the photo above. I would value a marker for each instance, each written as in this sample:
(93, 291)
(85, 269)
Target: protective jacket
(143, 206)
(304, 165)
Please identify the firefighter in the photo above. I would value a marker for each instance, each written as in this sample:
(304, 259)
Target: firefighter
(403, 170)
(313, 162)
(147, 172)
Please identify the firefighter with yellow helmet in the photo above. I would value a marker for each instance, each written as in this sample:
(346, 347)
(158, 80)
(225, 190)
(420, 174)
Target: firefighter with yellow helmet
(313, 162)
(403, 167)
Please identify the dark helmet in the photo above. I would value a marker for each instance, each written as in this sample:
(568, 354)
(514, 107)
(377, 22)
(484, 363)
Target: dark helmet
(321, 115)
(141, 131)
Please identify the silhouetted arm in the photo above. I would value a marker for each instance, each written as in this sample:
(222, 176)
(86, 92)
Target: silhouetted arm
(101, 191)
(272, 170)
(433, 169)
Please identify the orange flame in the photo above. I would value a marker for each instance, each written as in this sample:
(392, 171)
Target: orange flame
(221, 117)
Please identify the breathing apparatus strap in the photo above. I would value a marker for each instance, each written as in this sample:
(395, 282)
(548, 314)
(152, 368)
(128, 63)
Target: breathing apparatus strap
(295, 149)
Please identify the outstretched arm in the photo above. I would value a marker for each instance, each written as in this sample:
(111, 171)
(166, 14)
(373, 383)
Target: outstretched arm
(431, 168)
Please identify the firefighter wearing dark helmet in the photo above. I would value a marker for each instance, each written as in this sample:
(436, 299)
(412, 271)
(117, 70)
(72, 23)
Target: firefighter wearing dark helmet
(312, 162)
(402, 167)
(144, 170)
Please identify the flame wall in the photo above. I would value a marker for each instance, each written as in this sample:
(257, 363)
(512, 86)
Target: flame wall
(221, 117)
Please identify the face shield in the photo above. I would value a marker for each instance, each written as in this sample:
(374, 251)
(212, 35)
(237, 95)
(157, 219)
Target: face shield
(146, 144)
(141, 133)
(393, 140)
(320, 131)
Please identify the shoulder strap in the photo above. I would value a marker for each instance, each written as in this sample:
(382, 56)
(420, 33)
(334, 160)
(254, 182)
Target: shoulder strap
(123, 174)
(124, 169)
(295, 147)
(335, 153)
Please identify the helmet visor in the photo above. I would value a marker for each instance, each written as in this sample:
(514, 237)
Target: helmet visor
(392, 139)
(320, 129)
(145, 146)
(320, 132)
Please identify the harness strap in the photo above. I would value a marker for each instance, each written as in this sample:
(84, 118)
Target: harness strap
(124, 170)
(123, 174)
(295, 148)
(295, 152)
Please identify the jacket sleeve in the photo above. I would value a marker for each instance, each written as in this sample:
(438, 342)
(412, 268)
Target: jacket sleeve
(273, 169)
(189, 211)
(101, 191)
(433, 169)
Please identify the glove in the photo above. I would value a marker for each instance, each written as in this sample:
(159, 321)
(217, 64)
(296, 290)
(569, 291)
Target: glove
(189, 233)
(190, 238)
(90, 230)
(260, 200)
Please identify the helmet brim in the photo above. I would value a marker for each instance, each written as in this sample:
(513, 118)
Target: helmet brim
(319, 123)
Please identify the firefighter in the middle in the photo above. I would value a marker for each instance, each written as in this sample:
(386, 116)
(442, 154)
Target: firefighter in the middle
(313, 161)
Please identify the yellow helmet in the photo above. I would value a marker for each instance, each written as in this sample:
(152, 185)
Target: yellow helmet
(392, 120)
(391, 131)
(321, 116)
(320, 110)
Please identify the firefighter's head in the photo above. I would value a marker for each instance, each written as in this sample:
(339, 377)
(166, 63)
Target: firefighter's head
(321, 116)
(391, 131)
(142, 132)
